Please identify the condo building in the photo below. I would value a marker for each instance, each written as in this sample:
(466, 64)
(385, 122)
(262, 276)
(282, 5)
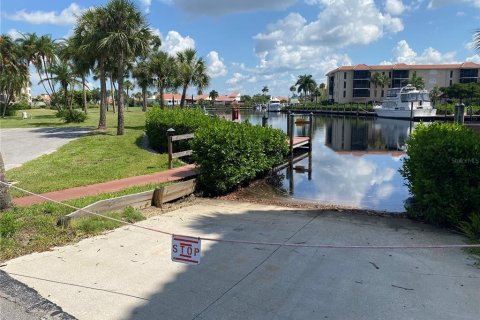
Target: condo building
(348, 84)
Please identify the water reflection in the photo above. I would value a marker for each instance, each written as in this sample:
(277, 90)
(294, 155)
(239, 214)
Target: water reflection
(354, 162)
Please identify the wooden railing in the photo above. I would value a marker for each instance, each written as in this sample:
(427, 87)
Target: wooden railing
(170, 139)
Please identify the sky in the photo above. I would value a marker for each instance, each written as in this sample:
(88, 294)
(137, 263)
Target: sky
(249, 44)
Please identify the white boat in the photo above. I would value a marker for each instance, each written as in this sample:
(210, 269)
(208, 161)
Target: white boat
(406, 103)
(274, 105)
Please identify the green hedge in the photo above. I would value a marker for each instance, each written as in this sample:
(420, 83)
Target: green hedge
(229, 154)
(443, 173)
(184, 121)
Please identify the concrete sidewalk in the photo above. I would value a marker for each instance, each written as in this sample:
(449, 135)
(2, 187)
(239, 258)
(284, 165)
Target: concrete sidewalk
(110, 186)
(128, 273)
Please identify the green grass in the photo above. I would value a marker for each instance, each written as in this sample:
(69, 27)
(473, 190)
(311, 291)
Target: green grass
(94, 158)
(38, 118)
(34, 229)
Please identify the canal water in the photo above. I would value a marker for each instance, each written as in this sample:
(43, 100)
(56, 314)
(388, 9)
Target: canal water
(354, 161)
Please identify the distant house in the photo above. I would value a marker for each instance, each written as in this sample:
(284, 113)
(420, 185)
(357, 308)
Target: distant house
(294, 100)
(172, 99)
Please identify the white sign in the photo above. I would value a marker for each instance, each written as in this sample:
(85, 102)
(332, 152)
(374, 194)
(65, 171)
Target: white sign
(186, 249)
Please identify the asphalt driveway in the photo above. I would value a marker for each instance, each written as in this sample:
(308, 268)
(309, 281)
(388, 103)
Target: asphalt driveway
(128, 273)
(20, 145)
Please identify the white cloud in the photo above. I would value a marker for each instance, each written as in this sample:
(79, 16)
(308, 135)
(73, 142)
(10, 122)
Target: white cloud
(394, 7)
(68, 16)
(14, 34)
(237, 78)
(146, 5)
(175, 42)
(438, 3)
(216, 8)
(475, 58)
(403, 53)
(215, 65)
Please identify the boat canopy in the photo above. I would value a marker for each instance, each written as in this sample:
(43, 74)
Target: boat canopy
(415, 96)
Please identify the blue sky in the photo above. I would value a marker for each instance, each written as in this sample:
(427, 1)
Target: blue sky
(249, 44)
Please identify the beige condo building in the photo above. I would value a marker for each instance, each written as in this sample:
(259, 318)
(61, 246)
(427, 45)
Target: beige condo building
(348, 84)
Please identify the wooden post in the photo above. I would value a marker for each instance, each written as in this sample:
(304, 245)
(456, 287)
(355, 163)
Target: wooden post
(310, 132)
(170, 133)
(292, 130)
(265, 120)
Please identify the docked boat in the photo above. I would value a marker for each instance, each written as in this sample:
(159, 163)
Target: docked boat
(406, 103)
(274, 105)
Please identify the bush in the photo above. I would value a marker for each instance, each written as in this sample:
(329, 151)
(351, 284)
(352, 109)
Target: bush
(72, 116)
(228, 154)
(443, 173)
(184, 121)
(21, 105)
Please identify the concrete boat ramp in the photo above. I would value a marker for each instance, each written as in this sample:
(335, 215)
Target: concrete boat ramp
(128, 273)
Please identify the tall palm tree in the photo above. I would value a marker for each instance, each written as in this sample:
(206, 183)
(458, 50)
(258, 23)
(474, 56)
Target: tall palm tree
(213, 95)
(306, 84)
(165, 70)
(14, 74)
(142, 73)
(435, 94)
(128, 37)
(88, 32)
(265, 90)
(191, 71)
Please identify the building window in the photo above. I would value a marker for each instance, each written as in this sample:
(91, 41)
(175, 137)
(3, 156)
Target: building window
(345, 85)
(331, 82)
(451, 73)
(361, 74)
(361, 93)
(344, 75)
(383, 93)
(450, 82)
(400, 74)
(383, 72)
(344, 94)
(390, 74)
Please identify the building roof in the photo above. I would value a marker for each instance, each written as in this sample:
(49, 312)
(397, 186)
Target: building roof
(234, 94)
(169, 96)
(400, 66)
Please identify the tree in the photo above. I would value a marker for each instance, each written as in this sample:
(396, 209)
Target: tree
(265, 90)
(62, 73)
(142, 73)
(5, 198)
(164, 68)
(435, 94)
(476, 40)
(191, 71)
(293, 89)
(87, 34)
(128, 86)
(14, 75)
(128, 36)
(213, 95)
(306, 84)
(417, 81)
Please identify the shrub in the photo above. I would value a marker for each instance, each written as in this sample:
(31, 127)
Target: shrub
(10, 112)
(228, 154)
(21, 105)
(443, 173)
(184, 121)
(72, 116)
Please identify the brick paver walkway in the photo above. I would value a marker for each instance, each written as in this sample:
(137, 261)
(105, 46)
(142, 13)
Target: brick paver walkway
(110, 186)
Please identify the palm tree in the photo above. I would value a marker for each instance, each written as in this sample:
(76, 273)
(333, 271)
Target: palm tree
(435, 94)
(191, 71)
(375, 80)
(164, 68)
(128, 86)
(293, 89)
(416, 81)
(88, 32)
(14, 75)
(142, 73)
(265, 90)
(63, 74)
(128, 36)
(213, 95)
(306, 84)
(476, 40)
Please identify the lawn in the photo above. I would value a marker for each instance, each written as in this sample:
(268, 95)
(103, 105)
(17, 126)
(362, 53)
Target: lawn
(94, 158)
(34, 228)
